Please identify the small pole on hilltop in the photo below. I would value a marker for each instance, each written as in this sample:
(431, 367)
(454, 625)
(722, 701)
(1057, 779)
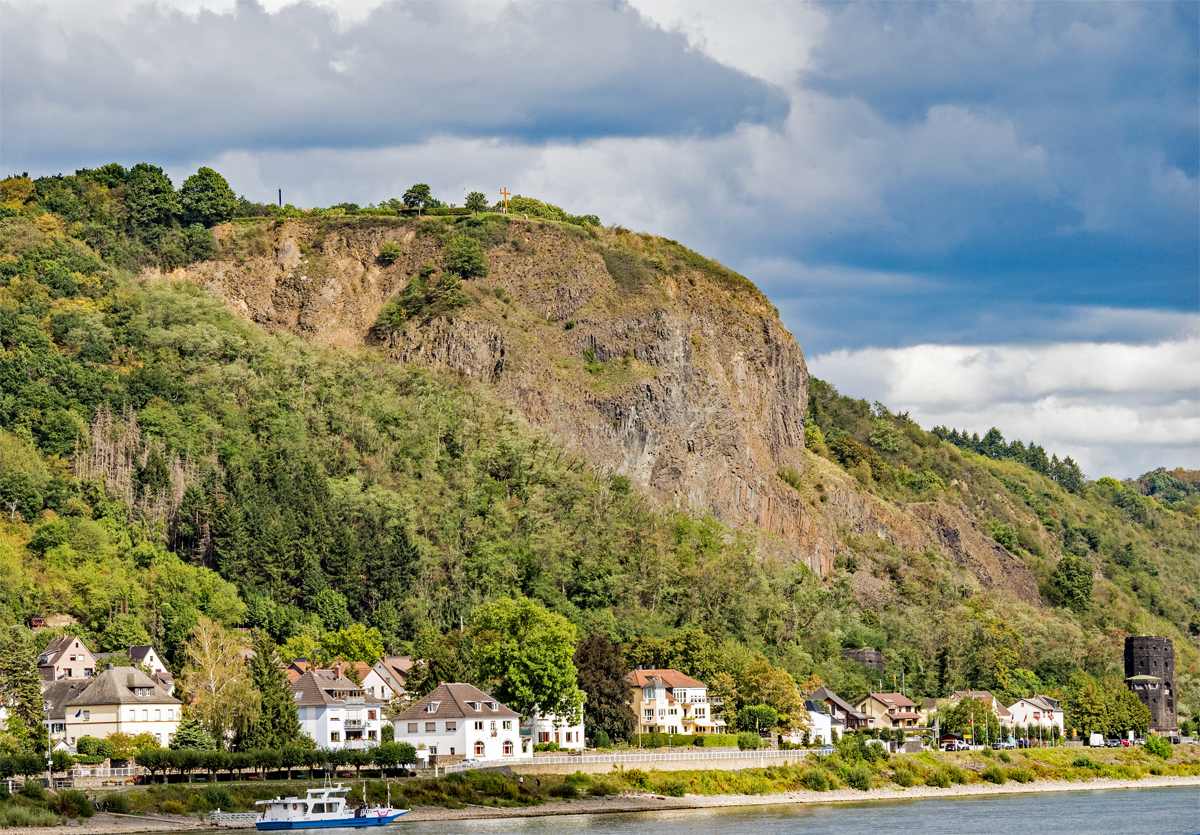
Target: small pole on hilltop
(281, 198)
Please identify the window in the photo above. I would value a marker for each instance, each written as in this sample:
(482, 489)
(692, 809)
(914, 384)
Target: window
(145, 715)
(335, 736)
(433, 750)
(157, 715)
(479, 725)
(508, 748)
(508, 724)
(319, 808)
(647, 693)
(371, 714)
(132, 714)
(412, 727)
(474, 705)
(649, 713)
(452, 751)
(673, 711)
(296, 695)
(67, 672)
(430, 727)
(543, 736)
(87, 715)
(432, 707)
(568, 736)
(451, 726)
(479, 749)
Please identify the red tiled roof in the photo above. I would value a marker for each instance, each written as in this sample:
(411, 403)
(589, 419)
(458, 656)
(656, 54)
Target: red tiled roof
(671, 678)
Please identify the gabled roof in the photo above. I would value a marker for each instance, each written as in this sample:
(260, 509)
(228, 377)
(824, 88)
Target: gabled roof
(815, 706)
(396, 667)
(117, 685)
(1039, 702)
(140, 653)
(671, 678)
(452, 703)
(824, 694)
(325, 687)
(58, 647)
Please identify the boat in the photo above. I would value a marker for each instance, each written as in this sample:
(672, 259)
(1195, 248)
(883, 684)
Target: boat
(324, 808)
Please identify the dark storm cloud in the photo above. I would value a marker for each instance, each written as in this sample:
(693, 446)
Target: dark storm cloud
(163, 85)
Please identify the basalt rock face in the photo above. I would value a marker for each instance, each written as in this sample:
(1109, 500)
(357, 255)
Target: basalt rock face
(677, 373)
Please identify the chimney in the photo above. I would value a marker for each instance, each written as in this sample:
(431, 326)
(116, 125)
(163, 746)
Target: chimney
(108, 666)
(640, 667)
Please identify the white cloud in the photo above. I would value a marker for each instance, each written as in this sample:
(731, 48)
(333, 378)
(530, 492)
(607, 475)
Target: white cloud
(1118, 409)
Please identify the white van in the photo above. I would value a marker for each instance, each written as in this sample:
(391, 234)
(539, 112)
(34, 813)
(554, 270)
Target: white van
(1096, 741)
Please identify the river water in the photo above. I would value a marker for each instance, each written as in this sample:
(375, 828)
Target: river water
(1112, 812)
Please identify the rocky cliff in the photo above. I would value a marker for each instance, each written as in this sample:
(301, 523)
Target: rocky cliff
(650, 361)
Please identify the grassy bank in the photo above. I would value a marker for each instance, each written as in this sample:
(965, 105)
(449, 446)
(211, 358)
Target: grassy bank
(809, 772)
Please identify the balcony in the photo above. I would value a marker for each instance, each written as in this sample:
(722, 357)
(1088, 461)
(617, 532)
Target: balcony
(703, 700)
(354, 724)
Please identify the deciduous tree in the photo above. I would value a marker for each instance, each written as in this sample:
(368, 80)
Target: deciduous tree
(217, 677)
(601, 675)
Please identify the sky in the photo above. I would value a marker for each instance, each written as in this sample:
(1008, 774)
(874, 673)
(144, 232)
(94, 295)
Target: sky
(981, 214)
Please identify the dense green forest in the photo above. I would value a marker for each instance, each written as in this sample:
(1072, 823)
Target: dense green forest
(163, 461)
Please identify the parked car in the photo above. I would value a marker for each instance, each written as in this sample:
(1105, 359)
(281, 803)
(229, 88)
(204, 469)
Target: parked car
(957, 745)
(471, 762)
(1112, 743)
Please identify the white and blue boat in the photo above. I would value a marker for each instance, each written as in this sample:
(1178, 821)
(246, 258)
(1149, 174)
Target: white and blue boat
(323, 808)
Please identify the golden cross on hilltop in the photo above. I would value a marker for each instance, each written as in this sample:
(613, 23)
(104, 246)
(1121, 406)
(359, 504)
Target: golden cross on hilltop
(505, 192)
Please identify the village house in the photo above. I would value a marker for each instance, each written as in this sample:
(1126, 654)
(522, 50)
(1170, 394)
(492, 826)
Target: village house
(842, 713)
(66, 657)
(456, 721)
(373, 683)
(1042, 711)
(393, 669)
(667, 701)
(819, 726)
(335, 712)
(540, 730)
(889, 710)
(119, 700)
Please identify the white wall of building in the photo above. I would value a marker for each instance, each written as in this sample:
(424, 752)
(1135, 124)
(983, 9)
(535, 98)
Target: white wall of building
(484, 738)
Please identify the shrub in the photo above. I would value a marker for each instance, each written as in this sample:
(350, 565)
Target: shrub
(602, 740)
(903, 775)
(547, 746)
(118, 803)
(218, 797)
(25, 816)
(1159, 746)
(564, 790)
(1004, 757)
(74, 803)
(993, 773)
(1085, 762)
(389, 253)
(816, 779)
(958, 775)
(173, 807)
(749, 741)
(940, 778)
(987, 752)
(638, 779)
(465, 257)
(859, 778)
(579, 780)
(674, 787)
(1021, 774)
(603, 788)
(33, 790)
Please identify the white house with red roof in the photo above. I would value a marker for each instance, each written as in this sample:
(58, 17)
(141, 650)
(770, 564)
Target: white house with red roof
(667, 701)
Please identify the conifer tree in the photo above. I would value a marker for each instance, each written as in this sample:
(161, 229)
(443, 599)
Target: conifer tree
(21, 687)
(278, 723)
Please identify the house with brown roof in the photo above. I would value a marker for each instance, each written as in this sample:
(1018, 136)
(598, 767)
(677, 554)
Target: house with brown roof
(667, 701)
(335, 712)
(843, 716)
(889, 710)
(119, 700)
(393, 669)
(459, 720)
(66, 657)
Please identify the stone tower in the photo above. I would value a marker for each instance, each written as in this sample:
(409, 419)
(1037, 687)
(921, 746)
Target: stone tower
(1150, 673)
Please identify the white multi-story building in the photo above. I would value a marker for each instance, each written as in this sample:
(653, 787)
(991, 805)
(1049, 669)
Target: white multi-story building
(1042, 711)
(460, 720)
(539, 729)
(335, 712)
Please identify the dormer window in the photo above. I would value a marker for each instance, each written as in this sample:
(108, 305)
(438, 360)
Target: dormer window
(432, 707)
(491, 706)
(474, 706)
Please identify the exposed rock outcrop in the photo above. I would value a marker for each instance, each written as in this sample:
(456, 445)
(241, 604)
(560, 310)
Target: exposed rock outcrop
(687, 382)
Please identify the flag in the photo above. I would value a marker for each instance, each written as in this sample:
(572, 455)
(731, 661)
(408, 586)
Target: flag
(78, 712)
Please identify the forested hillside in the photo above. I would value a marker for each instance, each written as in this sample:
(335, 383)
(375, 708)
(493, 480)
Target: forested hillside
(163, 459)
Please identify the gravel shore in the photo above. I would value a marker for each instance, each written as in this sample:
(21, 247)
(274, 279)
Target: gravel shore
(108, 824)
